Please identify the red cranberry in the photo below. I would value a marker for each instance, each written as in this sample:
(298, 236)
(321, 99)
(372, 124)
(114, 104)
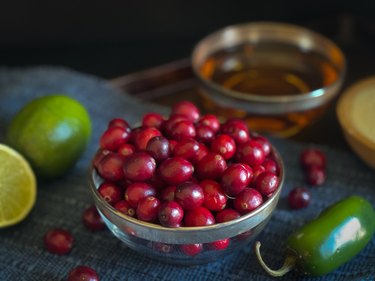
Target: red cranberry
(130, 231)
(199, 216)
(169, 123)
(189, 195)
(92, 220)
(152, 119)
(182, 130)
(250, 152)
(126, 149)
(266, 145)
(142, 136)
(266, 183)
(167, 193)
(210, 121)
(110, 192)
(299, 197)
(227, 215)
(235, 179)
(192, 249)
(83, 273)
(170, 214)
(188, 149)
(139, 166)
(137, 191)
(248, 200)
(175, 170)
(202, 152)
(220, 244)
(124, 207)
(315, 176)
(204, 134)
(99, 155)
(223, 145)
(186, 108)
(237, 129)
(271, 166)
(111, 167)
(114, 137)
(119, 122)
(257, 170)
(211, 166)
(58, 241)
(312, 157)
(250, 171)
(162, 247)
(148, 209)
(159, 148)
(214, 196)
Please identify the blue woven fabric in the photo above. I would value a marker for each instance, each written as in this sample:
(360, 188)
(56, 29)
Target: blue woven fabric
(61, 203)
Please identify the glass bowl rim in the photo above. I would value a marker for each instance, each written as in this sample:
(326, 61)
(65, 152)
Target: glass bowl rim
(274, 27)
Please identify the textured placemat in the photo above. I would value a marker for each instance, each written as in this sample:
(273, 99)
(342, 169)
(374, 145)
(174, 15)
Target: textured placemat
(61, 203)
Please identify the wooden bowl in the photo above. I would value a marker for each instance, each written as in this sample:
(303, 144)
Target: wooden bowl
(356, 114)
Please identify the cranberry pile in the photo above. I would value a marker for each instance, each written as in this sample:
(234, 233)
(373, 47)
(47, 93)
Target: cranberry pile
(186, 169)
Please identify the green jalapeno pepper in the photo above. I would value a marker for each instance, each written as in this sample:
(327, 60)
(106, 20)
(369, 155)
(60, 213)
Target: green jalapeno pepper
(338, 234)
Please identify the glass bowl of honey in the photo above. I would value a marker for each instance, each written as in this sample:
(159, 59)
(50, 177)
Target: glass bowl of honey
(279, 77)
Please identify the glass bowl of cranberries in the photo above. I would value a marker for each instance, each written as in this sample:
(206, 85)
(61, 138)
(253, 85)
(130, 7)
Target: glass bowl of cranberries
(187, 188)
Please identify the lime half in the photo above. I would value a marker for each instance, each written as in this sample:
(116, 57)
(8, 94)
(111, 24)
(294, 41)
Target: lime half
(17, 187)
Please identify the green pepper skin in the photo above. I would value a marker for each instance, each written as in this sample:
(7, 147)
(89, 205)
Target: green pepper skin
(339, 233)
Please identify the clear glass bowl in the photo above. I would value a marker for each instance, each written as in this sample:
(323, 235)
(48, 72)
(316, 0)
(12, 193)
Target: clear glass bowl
(279, 77)
(164, 244)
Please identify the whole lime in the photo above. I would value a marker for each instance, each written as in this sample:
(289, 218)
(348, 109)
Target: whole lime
(52, 132)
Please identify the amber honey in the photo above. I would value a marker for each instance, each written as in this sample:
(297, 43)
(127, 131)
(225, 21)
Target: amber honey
(267, 69)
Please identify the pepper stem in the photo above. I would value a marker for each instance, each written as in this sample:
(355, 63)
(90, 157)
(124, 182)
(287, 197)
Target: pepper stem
(289, 263)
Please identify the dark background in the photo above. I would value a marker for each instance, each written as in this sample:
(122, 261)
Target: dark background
(111, 38)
